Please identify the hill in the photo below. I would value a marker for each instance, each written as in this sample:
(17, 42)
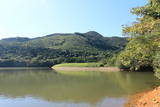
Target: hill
(57, 48)
(81, 41)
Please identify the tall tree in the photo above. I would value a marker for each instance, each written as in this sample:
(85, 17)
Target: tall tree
(143, 50)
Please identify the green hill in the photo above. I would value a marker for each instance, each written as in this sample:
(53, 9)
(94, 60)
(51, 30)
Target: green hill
(82, 41)
(57, 48)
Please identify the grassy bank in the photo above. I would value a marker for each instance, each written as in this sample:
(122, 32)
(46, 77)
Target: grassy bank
(79, 65)
(83, 67)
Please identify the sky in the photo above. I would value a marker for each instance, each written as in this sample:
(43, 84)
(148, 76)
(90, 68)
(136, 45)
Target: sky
(34, 18)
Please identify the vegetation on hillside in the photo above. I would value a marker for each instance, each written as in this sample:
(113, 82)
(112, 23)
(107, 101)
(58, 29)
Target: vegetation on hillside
(143, 49)
(58, 48)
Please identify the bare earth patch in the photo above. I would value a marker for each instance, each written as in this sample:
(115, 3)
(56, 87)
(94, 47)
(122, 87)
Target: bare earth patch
(101, 69)
(145, 99)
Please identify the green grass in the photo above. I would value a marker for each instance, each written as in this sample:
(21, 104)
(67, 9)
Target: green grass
(78, 65)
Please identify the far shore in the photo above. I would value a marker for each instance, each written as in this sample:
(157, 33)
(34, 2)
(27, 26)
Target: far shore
(84, 67)
(100, 69)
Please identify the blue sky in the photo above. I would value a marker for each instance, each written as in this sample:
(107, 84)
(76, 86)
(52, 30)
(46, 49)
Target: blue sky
(32, 18)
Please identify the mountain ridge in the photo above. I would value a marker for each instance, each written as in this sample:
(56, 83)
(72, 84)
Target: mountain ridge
(58, 48)
(68, 41)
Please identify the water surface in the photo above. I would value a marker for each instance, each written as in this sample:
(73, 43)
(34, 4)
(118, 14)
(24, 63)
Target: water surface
(42, 87)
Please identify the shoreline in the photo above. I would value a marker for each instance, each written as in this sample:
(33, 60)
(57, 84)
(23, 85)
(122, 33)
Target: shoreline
(78, 69)
(150, 98)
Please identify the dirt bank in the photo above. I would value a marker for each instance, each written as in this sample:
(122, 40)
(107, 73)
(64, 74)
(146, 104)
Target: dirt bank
(101, 69)
(146, 99)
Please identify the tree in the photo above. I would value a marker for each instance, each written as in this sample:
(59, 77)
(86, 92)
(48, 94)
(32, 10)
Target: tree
(143, 48)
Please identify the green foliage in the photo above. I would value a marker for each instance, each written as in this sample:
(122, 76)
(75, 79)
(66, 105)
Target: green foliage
(143, 49)
(110, 59)
(57, 48)
(149, 20)
(138, 54)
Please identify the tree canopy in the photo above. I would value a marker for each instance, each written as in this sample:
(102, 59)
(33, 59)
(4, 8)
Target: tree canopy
(143, 49)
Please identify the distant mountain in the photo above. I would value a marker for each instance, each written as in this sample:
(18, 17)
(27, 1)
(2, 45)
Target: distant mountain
(16, 39)
(82, 41)
(57, 48)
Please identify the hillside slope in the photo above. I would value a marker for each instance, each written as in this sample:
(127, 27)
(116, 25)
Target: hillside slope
(82, 41)
(57, 48)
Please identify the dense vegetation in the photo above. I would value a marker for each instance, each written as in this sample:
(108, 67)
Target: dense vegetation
(58, 48)
(143, 49)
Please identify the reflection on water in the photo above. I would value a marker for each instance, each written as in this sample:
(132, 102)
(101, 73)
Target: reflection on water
(47, 88)
(33, 102)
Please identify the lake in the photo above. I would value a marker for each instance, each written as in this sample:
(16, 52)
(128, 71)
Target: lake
(43, 87)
